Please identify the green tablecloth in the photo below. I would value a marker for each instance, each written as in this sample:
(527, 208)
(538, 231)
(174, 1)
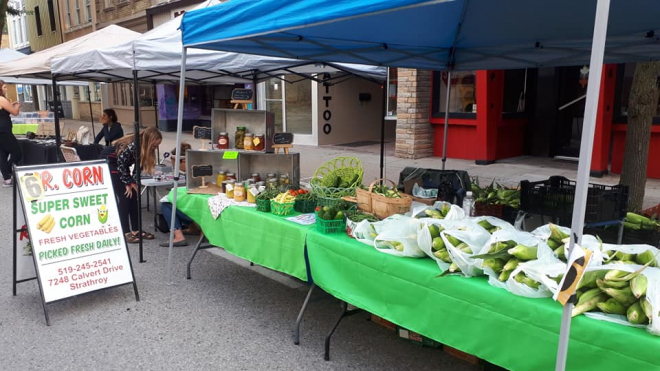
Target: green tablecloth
(265, 239)
(24, 128)
(468, 314)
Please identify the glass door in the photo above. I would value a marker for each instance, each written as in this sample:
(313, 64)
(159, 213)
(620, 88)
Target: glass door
(291, 101)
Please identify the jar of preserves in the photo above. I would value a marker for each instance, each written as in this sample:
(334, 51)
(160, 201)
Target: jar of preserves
(222, 176)
(239, 137)
(231, 176)
(259, 142)
(223, 140)
(256, 177)
(229, 188)
(271, 176)
(284, 180)
(248, 145)
(252, 193)
(239, 192)
(271, 183)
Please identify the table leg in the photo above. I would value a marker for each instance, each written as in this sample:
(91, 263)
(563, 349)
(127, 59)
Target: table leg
(296, 330)
(197, 248)
(155, 209)
(344, 313)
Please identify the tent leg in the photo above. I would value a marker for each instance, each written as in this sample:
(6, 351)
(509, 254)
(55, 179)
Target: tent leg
(177, 161)
(444, 137)
(254, 89)
(382, 133)
(91, 113)
(58, 135)
(586, 148)
(138, 170)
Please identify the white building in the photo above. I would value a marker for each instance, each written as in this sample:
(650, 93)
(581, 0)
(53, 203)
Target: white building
(17, 28)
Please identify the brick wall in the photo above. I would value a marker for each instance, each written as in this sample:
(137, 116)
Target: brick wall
(414, 134)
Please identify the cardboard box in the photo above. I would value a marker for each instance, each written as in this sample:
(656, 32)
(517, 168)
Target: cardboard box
(383, 322)
(425, 201)
(417, 338)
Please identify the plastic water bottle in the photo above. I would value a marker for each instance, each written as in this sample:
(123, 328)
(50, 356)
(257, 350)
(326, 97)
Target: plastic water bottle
(468, 204)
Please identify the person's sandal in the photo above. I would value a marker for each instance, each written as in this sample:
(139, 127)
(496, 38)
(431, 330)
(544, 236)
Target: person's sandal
(147, 236)
(132, 238)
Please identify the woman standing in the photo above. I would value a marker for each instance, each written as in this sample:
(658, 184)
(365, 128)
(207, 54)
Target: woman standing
(111, 128)
(10, 151)
(120, 159)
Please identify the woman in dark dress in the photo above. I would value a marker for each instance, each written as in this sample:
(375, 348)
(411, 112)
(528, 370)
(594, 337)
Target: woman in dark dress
(10, 151)
(111, 128)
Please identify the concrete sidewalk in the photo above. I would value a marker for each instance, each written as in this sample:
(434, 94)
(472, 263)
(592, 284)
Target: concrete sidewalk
(507, 172)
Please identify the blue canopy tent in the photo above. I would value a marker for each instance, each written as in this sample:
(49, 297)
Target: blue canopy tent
(445, 35)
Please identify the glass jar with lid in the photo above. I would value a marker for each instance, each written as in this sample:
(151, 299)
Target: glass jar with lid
(223, 140)
(229, 188)
(239, 192)
(252, 193)
(271, 175)
(231, 176)
(248, 145)
(271, 183)
(284, 180)
(222, 176)
(239, 137)
(256, 177)
(259, 142)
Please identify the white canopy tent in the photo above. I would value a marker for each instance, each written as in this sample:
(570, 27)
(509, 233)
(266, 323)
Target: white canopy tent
(8, 55)
(155, 57)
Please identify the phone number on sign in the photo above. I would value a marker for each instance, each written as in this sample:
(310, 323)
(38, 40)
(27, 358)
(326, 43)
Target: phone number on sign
(83, 266)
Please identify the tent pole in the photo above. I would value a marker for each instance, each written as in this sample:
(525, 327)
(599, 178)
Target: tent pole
(138, 168)
(586, 149)
(382, 133)
(444, 137)
(254, 89)
(58, 135)
(177, 161)
(91, 113)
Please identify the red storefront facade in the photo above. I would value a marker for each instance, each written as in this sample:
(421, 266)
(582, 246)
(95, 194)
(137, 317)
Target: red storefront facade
(492, 134)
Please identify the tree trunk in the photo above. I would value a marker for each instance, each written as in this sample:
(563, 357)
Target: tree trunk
(642, 106)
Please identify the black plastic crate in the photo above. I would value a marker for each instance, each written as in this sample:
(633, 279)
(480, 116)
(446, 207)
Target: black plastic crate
(554, 197)
(609, 234)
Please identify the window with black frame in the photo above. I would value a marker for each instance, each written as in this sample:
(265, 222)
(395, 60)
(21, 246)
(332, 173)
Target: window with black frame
(463, 94)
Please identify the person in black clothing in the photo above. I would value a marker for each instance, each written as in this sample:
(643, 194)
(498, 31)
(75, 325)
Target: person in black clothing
(10, 151)
(111, 128)
(120, 158)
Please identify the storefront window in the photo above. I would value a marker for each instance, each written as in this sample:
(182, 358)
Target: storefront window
(298, 97)
(515, 87)
(463, 97)
(626, 73)
(392, 82)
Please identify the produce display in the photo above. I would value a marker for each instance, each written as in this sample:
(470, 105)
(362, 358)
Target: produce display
(330, 213)
(337, 177)
(638, 222)
(495, 194)
(390, 192)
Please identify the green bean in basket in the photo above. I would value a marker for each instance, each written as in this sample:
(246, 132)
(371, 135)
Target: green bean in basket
(268, 194)
(306, 197)
(359, 216)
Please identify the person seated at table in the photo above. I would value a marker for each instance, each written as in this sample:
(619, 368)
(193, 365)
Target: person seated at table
(180, 218)
(121, 157)
(111, 130)
(10, 150)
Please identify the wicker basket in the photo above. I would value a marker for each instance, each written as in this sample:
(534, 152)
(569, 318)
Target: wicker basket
(330, 226)
(380, 205)
(345, 167)
(281, 208)
(263, 205)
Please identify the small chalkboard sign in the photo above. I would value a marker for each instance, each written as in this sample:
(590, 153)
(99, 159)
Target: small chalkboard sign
(201, 171)
(202, 132)
(283, 138)
(242, 94)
